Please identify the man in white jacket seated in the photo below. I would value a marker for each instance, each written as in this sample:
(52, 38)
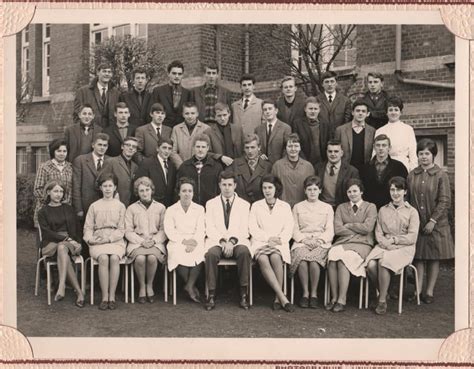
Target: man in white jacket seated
(227, 236)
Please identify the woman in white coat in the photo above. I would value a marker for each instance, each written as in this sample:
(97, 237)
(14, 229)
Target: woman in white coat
(185, 228)
(271, 227)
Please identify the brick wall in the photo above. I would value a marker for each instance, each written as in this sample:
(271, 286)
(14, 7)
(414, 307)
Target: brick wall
(422, 41)
(232, 51)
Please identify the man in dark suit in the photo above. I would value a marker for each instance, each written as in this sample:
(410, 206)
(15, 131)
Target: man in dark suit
(161, 171)
(335, 107)
(227, 139)
(85, 169)
(119, 130)
(172, 95)
(273, 133)
(250, 169)
(334, 174)
(79, 137)
(377, 173)
(209, 94)
(124, 169)
(377, 100)
(101, 94)
(290, 105)
(357, 137)
(138, 99)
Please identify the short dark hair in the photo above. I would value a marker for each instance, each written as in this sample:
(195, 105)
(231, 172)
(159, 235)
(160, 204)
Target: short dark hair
(375, 75)
(130, 138)
(201, 137)
(312, 180)
(382, 137)
(120, 105)
(83, 106)
(251, 137)
(185, 180)
(328, 74)
(56, 144)
(139, 70)
(101, 136)
(163, 140)
(157, 107)
(212, 66)
(175, 64)
(227, 174)
(334, 142)
(106, 176)
(269, 101)
(247, 77)
(360, 102)
(429, 144)
(355, 182)
(274, 180)
(189, 104)
(395, 101)
(103, 65)
(312, 100)
(221, 106)
(398, 182)
(293, 137)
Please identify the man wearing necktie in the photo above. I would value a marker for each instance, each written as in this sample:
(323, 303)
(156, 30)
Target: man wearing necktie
(138, 98)
(377, 100)
(227, 237)
(120, 129)
(247, 111)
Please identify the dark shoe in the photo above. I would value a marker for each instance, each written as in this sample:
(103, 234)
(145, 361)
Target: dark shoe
(381, 308)
(194, 298)
(244, 304)
(276, 305)
(210, 303)
(58, 297)
(151, 299)
(304, 302)
(412, 298)
(330, 305)
(313, 302)
(112, 305)
(289, 308)
(104, 305)
(427, 299)
(141, 299)
(339, 308)
(79, 303)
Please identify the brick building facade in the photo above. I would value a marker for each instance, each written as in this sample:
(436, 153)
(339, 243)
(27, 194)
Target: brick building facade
(53, 57)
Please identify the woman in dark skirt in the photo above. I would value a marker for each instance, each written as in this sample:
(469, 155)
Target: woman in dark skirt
(430, 194)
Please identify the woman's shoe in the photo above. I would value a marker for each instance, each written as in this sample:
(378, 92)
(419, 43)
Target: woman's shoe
(276, 305)
(289, 308)
(79, 303)
(427, 299)
(58, 297)
(112, 305)
(104, 305)
(330, 305)
(381, 308)
(413, 298)
(313, 302)
(304, 302)
(141, 299)
(151, 299)
(339, 308)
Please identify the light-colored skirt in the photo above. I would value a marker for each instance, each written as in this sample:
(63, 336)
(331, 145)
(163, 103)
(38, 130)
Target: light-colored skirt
(267, 250)
(304, 253)
(52, 247)
(155, 251)
(395, 260)
(116, 248)
(351, 259)
(177, 255)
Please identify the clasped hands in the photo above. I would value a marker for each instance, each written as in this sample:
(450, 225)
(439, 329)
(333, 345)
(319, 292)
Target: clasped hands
(190, 244)
(312, 242)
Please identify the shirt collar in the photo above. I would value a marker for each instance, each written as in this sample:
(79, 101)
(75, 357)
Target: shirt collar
(359, 203)
(250, 98)
(55, 162)
(432, 171)
(356, 125)
(119, 126)
(155, 126)
(95, 157)
(100, 87)
(337, 165)
(404, 204)
(273, 122)
(332, 94)
(231, 199)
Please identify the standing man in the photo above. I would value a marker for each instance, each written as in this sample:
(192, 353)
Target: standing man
(334, 175)
(172, 95)
(209, 94)
(203, 169)
(161, 171)
(377, 173)
(138, 99)
(119, 130)
(101, 94)
(335, 107)
(124, 169)
(376, 99)
(247, 112)
(290, 106)
(250, 169)
(227, 235)
(273, 133)
(357, 137)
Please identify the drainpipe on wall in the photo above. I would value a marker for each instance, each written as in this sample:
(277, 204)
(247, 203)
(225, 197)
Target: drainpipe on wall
(247, 50)
(398, 66)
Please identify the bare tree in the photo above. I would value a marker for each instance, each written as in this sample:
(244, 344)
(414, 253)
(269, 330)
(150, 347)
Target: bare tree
(24, 98)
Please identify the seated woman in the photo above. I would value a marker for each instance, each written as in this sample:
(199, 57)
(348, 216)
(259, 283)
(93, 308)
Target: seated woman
(313, 234)
(185, 228)
(60, 236)
(354, 224)
(270, 228)
(396, 232)
(104, 229)
(146, 236)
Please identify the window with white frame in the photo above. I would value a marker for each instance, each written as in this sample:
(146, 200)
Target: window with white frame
(21, 160)
(41, 155)
(101, 31)
(25, 62)
(46, 50)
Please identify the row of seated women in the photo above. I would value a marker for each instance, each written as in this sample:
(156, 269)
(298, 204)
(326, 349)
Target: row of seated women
(354, 241)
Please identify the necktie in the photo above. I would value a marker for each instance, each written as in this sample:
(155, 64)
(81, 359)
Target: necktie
(176, 97)
(86, 130)
(165, 162)
(330, 99)
(199, 166)
(104, 96)
(227, 213)
(140, 99)
(354, 208)
(331, 170)
(99, 164)
(246, 103)
(158, 134)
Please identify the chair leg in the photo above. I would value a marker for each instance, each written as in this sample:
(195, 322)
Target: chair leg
(326, 289)
(37, 277)
(174, 286)
(48, 281)
(83, 277)
(165, 283)
(206, 287)
(417, 288)
(400, 291)
(292, 292)
(366, 293)
(126, 283)
(251, 284)
(361, 291)
(92, 281)
(284, 279)
(132, 282)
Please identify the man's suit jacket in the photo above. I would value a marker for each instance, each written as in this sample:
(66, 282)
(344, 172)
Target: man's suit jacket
(337, 113)
(72, 136)
(183, 141)
(103, 113)
(289, 116)
(378, 109)
(346, 172)
(249, 185)
(139, 114)
(344, 134)
(217, 139)
(277, 141)
(115, 138)
(84, 187)
(249, 118)
(223, 96)
(302, 128)
(164, 95)
(164, 189)
(238, 222)
(125, 176)
(148, 140)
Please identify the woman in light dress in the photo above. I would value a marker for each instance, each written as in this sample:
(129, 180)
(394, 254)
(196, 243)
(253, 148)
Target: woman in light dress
(185, 228)
(146, 237)
(104, 229)
(270, 228)
(396, 233)
(313, 233)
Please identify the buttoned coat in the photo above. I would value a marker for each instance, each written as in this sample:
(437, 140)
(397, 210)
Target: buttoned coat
(238, 222)
(223, 96)
(217, 139)
(73, 136)
(336, 113)
(344, 134)
(249, 118)
(148, 140)
(276, 142)
(346, 172)
(183, 141)
(302, 128)
(290, 115)
(125, 176)
(164, 95)
(139, 114)
(115, 138)
(249, 185)
(378, 109)
(103, 113)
